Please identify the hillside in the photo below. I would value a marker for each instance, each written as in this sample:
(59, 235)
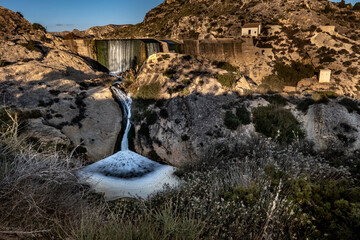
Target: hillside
(296, 31)
(183, 19)
(253, 164)
(59, 91)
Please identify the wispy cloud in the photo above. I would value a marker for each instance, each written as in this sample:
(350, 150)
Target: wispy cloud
(62, 25)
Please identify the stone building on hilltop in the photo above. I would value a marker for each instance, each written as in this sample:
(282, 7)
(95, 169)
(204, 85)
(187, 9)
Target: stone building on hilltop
(251, 29)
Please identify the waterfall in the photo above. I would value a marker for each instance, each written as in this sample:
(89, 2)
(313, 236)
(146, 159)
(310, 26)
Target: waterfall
(125, 100)
(152, 48)
(123, 55)
(126, 173)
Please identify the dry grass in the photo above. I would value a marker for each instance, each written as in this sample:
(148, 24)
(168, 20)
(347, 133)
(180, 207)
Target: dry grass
(34, 187)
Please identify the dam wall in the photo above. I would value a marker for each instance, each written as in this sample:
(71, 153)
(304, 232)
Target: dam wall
(122, 54)
(116, 55)
(235, 51)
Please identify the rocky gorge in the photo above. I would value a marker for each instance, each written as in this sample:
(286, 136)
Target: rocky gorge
(194, 133)
(184, 120)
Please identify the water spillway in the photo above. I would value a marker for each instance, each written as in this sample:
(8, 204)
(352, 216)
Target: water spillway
(126, 173)
(121, 55)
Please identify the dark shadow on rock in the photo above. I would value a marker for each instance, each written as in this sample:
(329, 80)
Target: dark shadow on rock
(96, 65)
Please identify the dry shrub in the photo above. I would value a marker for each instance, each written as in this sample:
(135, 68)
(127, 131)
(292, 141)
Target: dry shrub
(249, 194)
(36, 189)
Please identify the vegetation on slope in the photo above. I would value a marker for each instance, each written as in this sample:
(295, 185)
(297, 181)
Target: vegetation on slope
(262, 191)
(288, 75)
(277, 123)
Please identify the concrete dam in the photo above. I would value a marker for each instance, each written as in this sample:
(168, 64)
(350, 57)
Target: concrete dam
(122, 54)
(116, 55)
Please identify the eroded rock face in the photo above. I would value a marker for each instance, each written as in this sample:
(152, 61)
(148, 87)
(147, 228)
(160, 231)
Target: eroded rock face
(194, 129)
(333, 126)
(187, 122)
(77, 108)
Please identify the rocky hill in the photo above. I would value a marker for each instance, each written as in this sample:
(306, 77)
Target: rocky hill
(63, 98)
(201, 19)
(12, 23)
(187, 109)
(93, 32)
(298, 33)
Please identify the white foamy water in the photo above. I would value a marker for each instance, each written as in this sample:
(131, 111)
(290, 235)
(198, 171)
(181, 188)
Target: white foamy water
(126, 173)
(125, 54)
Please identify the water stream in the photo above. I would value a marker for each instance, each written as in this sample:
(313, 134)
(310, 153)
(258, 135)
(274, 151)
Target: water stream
(126, 173)
(125, 101)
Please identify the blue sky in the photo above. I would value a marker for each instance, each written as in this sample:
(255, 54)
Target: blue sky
(348, 1)
(80, 14)
(83, 14)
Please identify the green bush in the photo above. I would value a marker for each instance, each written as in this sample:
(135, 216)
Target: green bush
(292, 74)
(193, 34)
(169, 73)
(226, 80)
(70, 36)
(305, 104)
(350, 105)
(151, 118)
(186, 81)
(276, 99)
(231, 121)
(30, 45)
(327, 59)
(288, 75)
(243, 115)
(352, 70)
(38, 26)
(164, 113)
(144, 130)
(165, 56)
(328, 8)
(176, 89)
(184, 92)
(249, 195)
(185, 137)
(277, 123)
(326, 210)
(226, 66)
(323, 97)
(149, 91)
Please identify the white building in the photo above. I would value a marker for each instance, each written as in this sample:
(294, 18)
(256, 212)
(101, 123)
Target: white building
(324, 76)
(251, 29)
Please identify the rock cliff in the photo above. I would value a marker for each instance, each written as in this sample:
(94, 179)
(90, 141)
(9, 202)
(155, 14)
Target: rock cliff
(39, 74)
(181, 107)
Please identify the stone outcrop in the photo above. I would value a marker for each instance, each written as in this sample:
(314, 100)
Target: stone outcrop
(190, 111)
(12, 23)
(186, 123)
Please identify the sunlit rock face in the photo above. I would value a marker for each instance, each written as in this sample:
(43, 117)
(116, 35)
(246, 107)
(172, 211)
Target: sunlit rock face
(38, 74)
